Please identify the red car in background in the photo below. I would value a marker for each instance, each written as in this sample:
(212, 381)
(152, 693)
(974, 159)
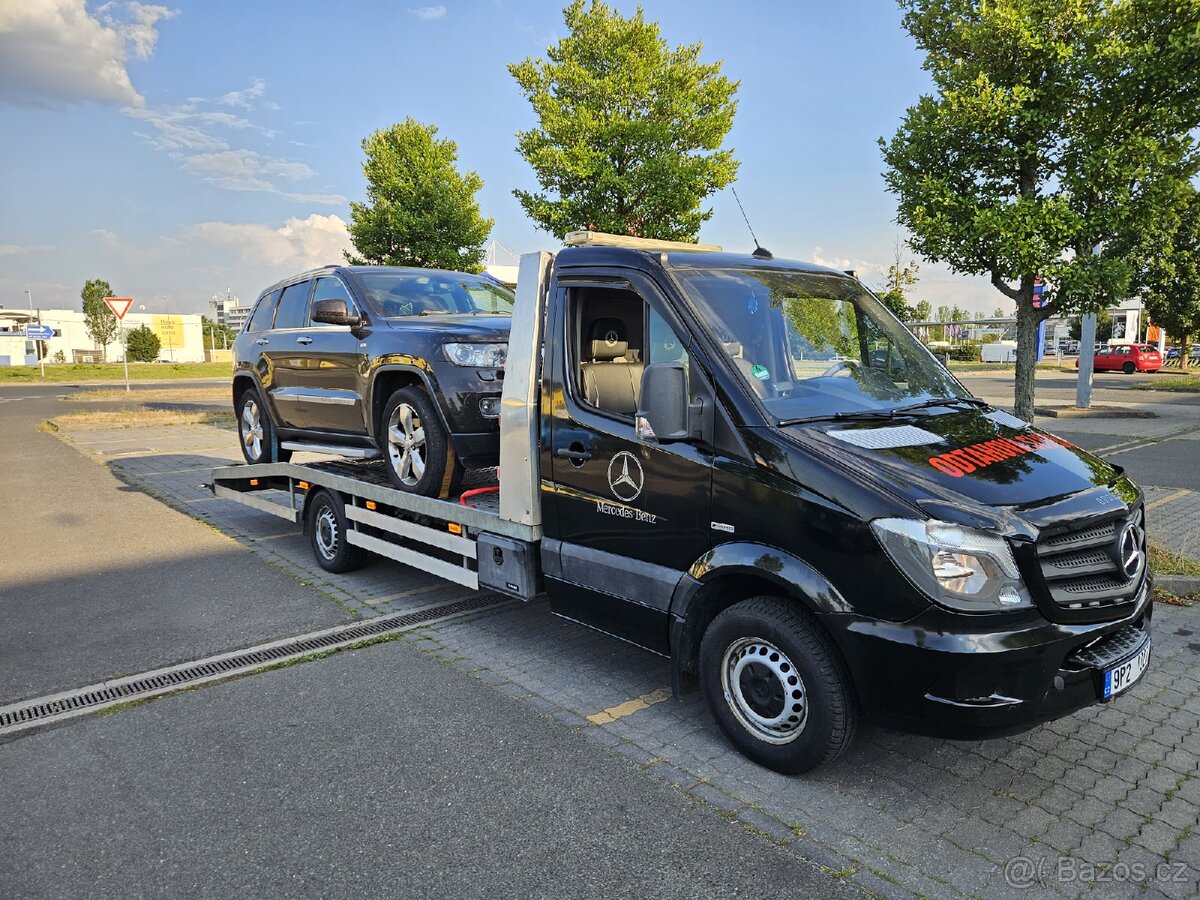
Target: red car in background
(1127, 358)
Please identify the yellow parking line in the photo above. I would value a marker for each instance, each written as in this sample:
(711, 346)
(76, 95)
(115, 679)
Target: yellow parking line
(629, 707)
(1162, 501)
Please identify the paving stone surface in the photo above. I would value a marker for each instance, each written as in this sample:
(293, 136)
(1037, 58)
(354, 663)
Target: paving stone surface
(1103, 803)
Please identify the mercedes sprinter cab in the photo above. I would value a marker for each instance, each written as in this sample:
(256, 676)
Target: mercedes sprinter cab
(752, 466)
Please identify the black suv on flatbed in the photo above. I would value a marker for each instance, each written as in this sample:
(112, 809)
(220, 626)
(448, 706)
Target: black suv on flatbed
(364, 361)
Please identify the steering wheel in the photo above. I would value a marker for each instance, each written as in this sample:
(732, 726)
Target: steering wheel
(839, 366)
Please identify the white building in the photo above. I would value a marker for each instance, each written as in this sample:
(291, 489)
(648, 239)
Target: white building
(230, 310)
(181, 336)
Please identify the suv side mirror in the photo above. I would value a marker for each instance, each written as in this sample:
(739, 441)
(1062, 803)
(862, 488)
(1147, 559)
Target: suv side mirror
(334, 312)
(662, 413)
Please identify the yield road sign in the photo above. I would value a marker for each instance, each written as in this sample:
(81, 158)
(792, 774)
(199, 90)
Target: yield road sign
(119, 305)
(38, 332)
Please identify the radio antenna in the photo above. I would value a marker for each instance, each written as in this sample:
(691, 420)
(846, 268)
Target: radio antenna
(760, 252)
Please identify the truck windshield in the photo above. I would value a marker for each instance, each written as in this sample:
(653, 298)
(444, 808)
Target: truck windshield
(400, 294)
(814, 346)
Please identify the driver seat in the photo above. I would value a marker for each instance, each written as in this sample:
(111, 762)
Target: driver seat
(610, 381)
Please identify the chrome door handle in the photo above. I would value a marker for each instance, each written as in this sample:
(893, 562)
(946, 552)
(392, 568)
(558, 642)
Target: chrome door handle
(304, 340)
(262, 342)
(577, 456)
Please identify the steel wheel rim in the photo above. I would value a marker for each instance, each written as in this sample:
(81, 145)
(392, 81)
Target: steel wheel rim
(764, 691)
(406, 444)
(325, 530)
(251, 428)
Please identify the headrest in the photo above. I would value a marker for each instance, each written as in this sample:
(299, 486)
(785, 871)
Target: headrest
(733, 348)
(608, 339)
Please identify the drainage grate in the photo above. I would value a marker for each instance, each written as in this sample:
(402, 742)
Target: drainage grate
(92, 698)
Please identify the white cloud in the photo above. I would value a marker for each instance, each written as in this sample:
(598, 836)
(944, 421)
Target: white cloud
(140, 33)
(296, 245)
(428, 13)
(54, 52)
(249, 98)
(245, 170)
(23, 249)
(863, 269)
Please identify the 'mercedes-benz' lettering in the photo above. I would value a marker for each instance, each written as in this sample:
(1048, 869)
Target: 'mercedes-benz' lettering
(625, 512)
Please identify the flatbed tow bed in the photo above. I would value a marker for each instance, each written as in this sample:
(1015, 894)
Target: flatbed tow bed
(438, 536)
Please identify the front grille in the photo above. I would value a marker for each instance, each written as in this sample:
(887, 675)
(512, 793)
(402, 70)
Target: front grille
(1097, 564)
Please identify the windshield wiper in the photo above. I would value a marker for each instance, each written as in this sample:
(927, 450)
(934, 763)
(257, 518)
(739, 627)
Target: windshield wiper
(890, 413)
(941, 401)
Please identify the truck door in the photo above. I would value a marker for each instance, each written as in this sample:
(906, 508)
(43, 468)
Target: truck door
(630, 515)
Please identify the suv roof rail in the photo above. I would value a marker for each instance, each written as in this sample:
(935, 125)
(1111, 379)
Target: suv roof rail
(604, 239)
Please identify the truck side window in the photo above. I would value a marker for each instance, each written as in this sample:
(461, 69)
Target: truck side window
(614, 335)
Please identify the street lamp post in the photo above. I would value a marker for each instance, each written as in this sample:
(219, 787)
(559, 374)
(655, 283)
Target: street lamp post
(41, 356)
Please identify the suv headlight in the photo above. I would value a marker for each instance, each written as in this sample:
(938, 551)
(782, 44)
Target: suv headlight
(478, 356)
(962, 568)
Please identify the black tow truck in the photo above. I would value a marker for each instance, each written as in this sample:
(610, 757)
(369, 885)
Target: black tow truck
(751, 467)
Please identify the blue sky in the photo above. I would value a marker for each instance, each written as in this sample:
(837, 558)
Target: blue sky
(185, 149)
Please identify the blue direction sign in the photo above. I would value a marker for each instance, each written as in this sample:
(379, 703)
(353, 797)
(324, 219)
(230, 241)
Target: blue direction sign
(38, 332)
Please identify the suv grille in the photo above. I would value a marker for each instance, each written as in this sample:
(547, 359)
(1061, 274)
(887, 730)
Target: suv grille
(1093, 566)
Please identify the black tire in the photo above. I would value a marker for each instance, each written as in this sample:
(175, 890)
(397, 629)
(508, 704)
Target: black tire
(256, 432)
(418, 455)
(787, 702)
(1129, 368)
(325, 522)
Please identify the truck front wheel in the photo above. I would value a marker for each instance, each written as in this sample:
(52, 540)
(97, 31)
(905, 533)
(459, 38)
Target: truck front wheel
(777, 686)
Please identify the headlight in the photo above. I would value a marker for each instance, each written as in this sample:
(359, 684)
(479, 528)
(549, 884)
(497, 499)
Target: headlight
(478, 356)
(962, 568)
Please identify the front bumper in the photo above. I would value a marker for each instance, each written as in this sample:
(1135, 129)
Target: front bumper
(936, 676)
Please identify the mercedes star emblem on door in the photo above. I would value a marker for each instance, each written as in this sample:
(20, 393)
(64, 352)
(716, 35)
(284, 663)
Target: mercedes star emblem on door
(625, 476)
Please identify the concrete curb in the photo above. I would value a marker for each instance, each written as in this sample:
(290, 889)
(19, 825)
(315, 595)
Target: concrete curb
(1179, 585)
(1093, 412)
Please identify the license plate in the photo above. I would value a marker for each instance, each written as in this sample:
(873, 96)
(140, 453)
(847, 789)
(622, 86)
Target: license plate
(1124, 676)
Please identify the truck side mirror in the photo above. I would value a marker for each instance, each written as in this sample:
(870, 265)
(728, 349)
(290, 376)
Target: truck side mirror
(334, 312)
(662, 414)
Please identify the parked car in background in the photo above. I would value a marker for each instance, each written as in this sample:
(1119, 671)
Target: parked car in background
(370, 361)
(1127, 358)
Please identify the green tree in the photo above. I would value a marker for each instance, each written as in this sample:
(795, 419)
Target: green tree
(922, 311)
(102, 326)
(901, 276)
(142, 345)
(999, 313)
(217, 336)
(420, 210)
(629, 131)
(1170, 284)
(1054, 128)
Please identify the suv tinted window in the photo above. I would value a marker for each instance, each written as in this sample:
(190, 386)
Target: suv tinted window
(293, 306)
(260, 320)
(331, 288)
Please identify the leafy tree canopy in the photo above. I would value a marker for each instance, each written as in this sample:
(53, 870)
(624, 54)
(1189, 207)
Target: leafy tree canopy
(629, 131)
(102, 326)
(420, 210)
(1055, 127)
(1171, 281)
(142, 345)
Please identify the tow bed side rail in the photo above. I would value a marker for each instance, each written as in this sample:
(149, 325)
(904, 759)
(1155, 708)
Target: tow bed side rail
(470, 546)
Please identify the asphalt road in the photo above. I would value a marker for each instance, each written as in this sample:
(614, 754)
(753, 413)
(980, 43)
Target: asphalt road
(101, 580)
(377, 772)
